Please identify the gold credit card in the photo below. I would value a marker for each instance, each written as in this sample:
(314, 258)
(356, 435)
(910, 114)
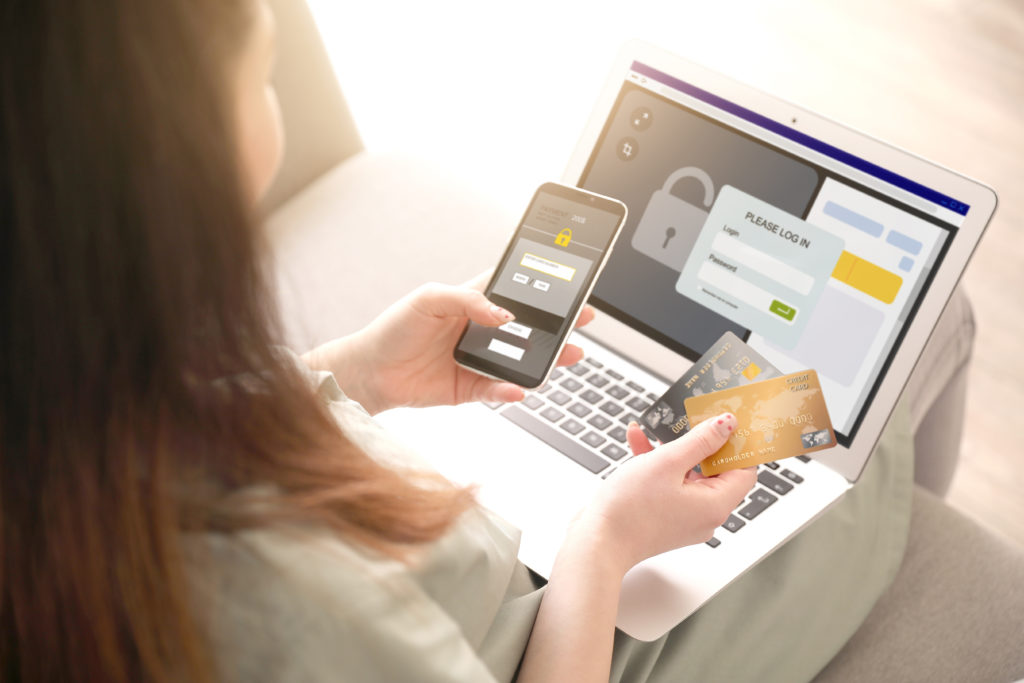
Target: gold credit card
(776, 418)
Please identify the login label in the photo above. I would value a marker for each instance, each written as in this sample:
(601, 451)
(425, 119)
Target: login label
(759, 266)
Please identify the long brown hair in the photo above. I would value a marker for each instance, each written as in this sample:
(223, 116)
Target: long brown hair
(139, 384)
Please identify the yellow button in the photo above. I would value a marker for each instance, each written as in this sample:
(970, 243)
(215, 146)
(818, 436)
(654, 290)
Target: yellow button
(867, 277)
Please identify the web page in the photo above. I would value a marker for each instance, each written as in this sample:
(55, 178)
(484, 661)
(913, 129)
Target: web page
(814, 257)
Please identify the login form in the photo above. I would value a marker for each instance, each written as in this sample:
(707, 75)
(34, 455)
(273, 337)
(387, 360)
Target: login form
(759, 265)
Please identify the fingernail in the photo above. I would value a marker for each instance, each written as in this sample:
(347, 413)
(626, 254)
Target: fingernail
(725, 424)
(500, 312)
(632, 423)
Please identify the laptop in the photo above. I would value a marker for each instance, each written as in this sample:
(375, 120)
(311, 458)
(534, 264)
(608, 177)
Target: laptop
(679, 143)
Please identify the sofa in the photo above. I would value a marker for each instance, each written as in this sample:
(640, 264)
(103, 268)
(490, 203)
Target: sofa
(351, 231)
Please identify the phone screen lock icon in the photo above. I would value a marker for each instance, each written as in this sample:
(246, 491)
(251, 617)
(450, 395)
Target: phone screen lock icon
(564, 237)
(669, 226)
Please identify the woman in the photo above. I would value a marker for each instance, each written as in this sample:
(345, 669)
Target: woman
(183, 500)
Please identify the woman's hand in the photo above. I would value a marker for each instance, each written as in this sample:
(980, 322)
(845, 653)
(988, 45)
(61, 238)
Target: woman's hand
(655, 502)
(404, 357)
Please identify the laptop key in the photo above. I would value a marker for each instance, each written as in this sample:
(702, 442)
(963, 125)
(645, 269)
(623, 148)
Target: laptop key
(551, 413)
(769, 480)
(569, 384)
(578, 369)
(592, 439)
(559, 397)
(579, 410)
(560, 441)
(803, 458)
(614, 375)
(598, 380)
(619, 434)
(613, 451)
(635, 387)
(572, 426)
(793, 476)
(493, 405)
(733, 524)
(756, 507)
(611, 408)
(591, 396)
(713, 542)
(532, 402)
(638, 404)
(555, 374)
(771, 465)
(617, 392)
(591, 361)
(599, 421)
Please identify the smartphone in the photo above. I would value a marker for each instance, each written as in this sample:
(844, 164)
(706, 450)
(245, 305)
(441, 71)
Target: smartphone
(544, 278)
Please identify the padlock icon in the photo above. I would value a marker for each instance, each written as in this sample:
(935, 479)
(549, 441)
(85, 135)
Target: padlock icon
(669, 227)
(564, 237)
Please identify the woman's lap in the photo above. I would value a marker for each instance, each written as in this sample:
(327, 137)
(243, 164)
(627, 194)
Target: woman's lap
(786, 618)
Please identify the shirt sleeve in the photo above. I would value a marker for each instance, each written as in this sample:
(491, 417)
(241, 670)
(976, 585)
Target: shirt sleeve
(299, 605)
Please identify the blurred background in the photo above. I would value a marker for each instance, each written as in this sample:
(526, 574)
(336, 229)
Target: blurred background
(497, 96)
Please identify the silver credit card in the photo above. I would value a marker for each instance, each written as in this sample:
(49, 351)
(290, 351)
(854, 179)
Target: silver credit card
(728, 363)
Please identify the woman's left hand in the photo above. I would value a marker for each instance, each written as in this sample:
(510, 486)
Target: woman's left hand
(404, 357)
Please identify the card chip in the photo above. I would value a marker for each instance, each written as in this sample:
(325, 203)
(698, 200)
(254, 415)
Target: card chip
(752, 371)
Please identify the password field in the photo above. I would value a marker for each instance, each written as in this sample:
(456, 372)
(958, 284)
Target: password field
(765, 264)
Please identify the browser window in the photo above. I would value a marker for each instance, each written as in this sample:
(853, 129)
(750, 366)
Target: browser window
(812, 255)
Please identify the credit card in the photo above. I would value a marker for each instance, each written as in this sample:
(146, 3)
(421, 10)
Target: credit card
(777, 418)
(728, 363)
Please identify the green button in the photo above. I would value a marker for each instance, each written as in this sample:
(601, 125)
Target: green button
(782, 310)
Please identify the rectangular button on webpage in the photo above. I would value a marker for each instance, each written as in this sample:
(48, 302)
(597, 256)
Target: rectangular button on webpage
(782, 310)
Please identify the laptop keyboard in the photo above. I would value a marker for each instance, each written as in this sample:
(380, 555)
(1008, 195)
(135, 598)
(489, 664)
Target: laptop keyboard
(582, 412)
(772, 483)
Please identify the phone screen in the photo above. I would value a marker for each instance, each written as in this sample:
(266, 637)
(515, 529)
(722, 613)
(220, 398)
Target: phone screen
(543, 278)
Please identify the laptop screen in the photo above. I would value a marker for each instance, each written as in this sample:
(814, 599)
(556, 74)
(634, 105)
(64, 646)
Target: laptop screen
(814, 256)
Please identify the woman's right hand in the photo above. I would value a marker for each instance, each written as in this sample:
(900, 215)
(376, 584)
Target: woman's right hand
(657, 502)
(654, 503)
